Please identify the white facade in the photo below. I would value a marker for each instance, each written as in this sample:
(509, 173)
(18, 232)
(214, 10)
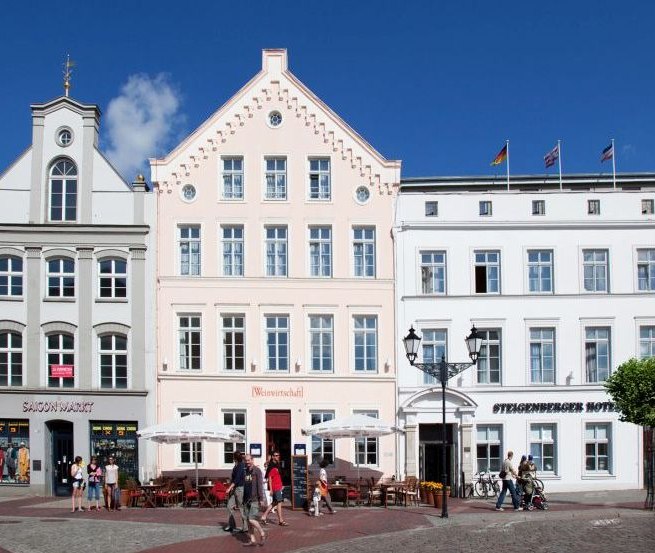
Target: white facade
(76, 302)
(561, 283)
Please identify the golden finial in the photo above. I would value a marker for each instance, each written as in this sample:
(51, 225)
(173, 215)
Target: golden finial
(68, 71)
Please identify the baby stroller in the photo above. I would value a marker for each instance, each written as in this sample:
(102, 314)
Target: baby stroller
(533, 495)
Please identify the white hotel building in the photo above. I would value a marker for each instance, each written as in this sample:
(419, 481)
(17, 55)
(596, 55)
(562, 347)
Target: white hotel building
(561, 283)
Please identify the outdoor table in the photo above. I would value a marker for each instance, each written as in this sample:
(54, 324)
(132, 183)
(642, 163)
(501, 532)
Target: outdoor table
(205, 497)
(149, 490)
(396, 486)
(341, 489)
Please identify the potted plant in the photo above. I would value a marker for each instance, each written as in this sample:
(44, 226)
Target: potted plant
(125, 492)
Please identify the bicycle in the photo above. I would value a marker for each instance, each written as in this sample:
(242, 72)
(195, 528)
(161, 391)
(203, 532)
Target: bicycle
(486, 485)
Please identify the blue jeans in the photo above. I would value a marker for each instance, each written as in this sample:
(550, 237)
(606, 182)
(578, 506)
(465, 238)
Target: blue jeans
(94, 491)
(508, 485)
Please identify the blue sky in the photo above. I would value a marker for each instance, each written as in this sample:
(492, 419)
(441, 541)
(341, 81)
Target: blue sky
(439, 85)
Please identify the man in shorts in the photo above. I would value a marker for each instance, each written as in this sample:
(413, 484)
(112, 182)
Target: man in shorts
(254, 499)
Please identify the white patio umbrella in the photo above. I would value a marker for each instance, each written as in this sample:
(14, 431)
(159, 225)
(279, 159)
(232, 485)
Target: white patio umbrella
(190, 429)
(353, 426)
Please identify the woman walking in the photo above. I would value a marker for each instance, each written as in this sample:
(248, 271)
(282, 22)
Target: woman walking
(77, 474)
(323, 483)
(95, 474)
(275, 487)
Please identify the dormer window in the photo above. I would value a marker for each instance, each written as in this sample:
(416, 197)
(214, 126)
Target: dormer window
(63, 191)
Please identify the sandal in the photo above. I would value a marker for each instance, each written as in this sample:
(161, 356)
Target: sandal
(264, 536)
(249, 544)
(283, 523)
(264, 521)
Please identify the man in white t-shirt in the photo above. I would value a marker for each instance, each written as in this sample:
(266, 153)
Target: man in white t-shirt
(508, 484)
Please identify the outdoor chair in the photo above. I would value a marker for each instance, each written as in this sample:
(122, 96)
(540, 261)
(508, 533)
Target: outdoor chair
(219, 492)
(189, 493)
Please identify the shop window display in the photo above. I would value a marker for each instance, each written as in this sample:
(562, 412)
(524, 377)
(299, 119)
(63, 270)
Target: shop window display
(14, 451)
(117, 440)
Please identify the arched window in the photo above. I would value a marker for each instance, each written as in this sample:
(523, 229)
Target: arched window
(11, 359)
(60, 354)
(61, 278)
(11, 276)
(113, 361)
(63, 191)
(112, 278)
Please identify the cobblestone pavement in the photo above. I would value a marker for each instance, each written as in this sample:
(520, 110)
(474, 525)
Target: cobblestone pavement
(599, 521)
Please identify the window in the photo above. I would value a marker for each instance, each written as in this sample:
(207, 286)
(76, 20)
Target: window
(232, 243)
(232, 178)
(431, 209)
(540, 270)
(646, 270)
(190, 453)
(189, 250)
(433, 272)
(277, 343)
(543, 444)
(489, 448)
(11, 359)
(190, 343)
(64, 137)
(542, 356)
(321, 337)
(322, 448)
(485, 208)
(366, 449)
(320, 251)
(489, 360)
(234, 337)
(487, 272)
(236, 420)
(275, 119)
(595, 270)
(366, 343)
(593, 207)
(112, 278)
(60, 350)
(276, 178)
(364, 251)
(11, 276)
(434, 349)
(646, 342)
(597, 354)
(598, 440)
(276, 251)
(647, 207)
(538, 207)
(61, 278)
(63, 191)
(319, 179)
(113, 361)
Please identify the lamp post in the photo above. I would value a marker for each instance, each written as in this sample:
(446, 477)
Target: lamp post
(443, 371)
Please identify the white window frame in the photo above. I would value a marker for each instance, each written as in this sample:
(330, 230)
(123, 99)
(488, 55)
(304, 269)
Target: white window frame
(485, 359)
(538, 265)
(488, 266)
(318, 173)
(433, 262)
(69, 190)
(538, 440)
(279, 192)
(595, 264)
(364, 251)
(595, 340)
(185, 339)
(485, 208)
(647, 206)
(112, 277)
(188, 449)
(61, 276)
(114, 353)
(321, 339)
(544, 343)
(317, 416)
(228, 335)
(229, 418)
(431, 208)
(14, 356)
(276, 330)
(597, 441)
(538, 207)
(646, 262)
(489, 442)
(368, 334)
(365, 447)
(278, 248)
(235, 177)
(320, 251)
(63, 355)
(11, 274)
(593, 207)
(189, 241)
(646, 343)
(232, 250)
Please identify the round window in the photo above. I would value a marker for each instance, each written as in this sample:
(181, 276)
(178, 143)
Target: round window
(275, 119)
(189, 192)
(362, 194)
(64, 137)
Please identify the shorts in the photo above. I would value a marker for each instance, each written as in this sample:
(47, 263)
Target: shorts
(278, 497)
(94, 491)
(252, 510)
(78, 484)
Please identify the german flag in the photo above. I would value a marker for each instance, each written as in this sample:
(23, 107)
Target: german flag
(502, 156)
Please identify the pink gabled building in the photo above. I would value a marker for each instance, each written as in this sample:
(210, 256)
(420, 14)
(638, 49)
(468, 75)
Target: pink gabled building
(275, 278)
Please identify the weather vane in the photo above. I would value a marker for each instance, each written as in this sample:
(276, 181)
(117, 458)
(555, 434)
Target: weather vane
(68, 71)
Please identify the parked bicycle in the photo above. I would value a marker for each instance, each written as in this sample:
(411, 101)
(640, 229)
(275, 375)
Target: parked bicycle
(486, 484)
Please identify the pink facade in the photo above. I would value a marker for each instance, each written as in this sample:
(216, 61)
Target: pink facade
(276, 290)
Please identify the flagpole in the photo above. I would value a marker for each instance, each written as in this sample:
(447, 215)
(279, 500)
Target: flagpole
(507, 161)
(559, 161)
(613, 164)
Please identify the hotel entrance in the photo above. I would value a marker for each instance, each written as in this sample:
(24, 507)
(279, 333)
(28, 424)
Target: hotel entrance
(430, 453)
(278, 438)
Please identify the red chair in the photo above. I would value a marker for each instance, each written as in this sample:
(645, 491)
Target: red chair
(219, 492)
(189, 493)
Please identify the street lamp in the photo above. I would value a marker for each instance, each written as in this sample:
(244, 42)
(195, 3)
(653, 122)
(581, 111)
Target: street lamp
(443, 371)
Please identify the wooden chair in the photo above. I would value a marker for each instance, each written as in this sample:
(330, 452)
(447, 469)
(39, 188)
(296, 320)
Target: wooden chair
(410, 492)
(374, 493)
(189, 493)
(135, 494)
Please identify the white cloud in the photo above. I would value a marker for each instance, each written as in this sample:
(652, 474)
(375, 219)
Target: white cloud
(141, 121)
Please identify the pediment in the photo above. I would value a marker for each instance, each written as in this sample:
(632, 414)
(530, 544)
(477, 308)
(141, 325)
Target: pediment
(272, 87)
(426, 399)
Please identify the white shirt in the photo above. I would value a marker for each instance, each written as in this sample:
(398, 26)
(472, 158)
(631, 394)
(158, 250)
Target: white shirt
(111, 474)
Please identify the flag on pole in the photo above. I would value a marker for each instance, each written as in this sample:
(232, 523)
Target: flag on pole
(608, 153)
(502, 156)
(551, 157)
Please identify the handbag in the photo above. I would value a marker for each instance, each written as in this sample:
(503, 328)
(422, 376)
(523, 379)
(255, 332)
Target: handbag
(502, 474)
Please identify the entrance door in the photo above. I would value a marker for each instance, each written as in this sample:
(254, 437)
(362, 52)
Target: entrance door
(61, 433)
(430, 453)
(278, 438)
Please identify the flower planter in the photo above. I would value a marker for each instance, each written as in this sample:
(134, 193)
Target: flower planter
(429, 498)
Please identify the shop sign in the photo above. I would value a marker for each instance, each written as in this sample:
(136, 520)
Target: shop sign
(58, 406)
(261, 391)
(556, 407)
(61, 371)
